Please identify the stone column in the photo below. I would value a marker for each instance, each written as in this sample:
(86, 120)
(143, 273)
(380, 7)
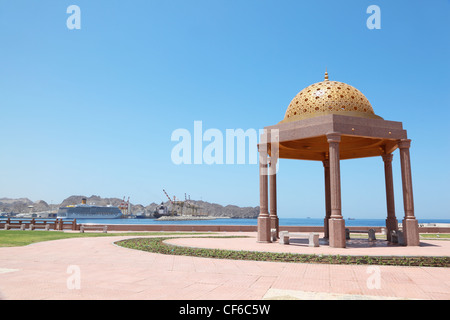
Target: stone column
(263, 218)
(410, 224)
(326, 166)
(274, 224)
(336, 224)
(391, 221)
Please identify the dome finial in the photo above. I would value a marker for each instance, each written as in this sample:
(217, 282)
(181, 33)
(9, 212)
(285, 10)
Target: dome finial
(326, 75)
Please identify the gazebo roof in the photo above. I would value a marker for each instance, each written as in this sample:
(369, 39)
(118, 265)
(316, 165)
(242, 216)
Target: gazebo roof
(307, 139)
(333, 107)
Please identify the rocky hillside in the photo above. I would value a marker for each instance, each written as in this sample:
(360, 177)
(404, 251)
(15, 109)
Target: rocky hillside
(25, 205)
(217, 210)
(22, 205)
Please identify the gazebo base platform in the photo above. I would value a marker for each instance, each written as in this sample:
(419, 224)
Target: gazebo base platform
(411, 232)
(337, 233)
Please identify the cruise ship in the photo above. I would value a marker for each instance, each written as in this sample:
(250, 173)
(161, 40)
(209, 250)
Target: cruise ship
(86, 211)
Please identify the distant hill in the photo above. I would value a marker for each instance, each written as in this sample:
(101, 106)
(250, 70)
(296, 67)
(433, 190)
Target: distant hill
(217, 210)
(25, 205)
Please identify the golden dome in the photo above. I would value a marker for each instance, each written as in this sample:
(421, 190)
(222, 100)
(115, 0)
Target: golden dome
(329, 97)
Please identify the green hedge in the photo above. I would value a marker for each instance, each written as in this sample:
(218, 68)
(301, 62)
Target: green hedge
(157, 245)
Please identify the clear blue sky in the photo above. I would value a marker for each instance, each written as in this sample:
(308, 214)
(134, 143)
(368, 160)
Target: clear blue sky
(91, 111)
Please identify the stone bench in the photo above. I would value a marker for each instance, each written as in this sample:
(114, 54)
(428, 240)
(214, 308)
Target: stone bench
(312, 236)
(397, 237)
(46, 227)
(93, 227)
(273, 234)
(370, 232)
(15, 226)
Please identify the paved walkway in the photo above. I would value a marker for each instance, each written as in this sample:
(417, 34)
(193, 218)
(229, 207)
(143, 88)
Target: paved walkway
(95, 268)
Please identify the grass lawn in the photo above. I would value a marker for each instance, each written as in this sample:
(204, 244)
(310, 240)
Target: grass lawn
(16, 238)
(435, 236)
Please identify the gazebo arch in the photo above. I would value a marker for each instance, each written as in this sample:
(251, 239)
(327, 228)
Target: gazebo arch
(330, 121)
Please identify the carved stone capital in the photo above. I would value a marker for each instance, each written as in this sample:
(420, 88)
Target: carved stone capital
(333, 137)
(404, 143)
(387, 157)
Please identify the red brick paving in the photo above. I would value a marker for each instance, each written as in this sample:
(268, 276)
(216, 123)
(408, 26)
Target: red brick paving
(107, 271)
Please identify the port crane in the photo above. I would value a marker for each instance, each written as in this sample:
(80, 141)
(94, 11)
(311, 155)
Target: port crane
(191, 207)
(177, 205)
(125, 207)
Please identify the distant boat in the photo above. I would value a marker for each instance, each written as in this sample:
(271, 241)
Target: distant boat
(162, 211)
(140, 215)
(351, 219)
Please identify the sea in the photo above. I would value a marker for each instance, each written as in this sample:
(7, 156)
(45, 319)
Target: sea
(245, 222)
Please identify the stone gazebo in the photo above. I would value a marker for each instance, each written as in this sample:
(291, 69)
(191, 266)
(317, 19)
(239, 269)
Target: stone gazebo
(331, 121)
